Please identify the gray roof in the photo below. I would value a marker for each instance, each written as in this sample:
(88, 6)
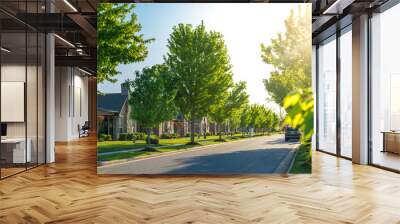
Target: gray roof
(111, 101)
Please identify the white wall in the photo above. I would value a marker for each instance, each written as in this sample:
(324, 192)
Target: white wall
(71, 87)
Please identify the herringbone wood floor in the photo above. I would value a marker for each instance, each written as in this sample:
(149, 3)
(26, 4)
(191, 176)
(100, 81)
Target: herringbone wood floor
(69, 191)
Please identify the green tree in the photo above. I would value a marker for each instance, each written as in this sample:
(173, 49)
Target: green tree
(118, 39)
(233, 100)
(290, 55)
(300, 108)
(266, 118)
(235, 119)
(200, 70)
(150, 99)
(255, 117)
(275, 121)
(245, 118)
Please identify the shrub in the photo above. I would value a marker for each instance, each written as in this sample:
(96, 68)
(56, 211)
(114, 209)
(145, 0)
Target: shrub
(123, 136)
(154, 139)
(108, 137)
(140, 135)
(100, 139)
(165, 136)
(130, 136)
(105, 137)
(187, 135)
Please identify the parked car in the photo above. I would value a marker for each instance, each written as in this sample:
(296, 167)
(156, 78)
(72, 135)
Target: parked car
(292, 134)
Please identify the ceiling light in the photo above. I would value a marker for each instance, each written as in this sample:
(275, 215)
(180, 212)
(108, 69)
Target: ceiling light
(338, 6)
(5, 50)
(65, 41)
(84, 71)
(70, 5)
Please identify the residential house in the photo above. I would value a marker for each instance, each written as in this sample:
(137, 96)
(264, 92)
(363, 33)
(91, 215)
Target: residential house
(113, 114)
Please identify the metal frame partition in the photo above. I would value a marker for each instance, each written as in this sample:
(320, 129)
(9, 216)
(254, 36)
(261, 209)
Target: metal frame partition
(339, 31)
(42, 117)
(382, 8)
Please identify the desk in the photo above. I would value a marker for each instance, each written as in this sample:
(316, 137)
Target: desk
(391, 141)
(13, 150)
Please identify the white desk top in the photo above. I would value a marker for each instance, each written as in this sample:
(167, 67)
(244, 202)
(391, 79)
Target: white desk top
(13, 140)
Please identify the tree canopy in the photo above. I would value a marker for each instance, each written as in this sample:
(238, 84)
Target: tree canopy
(290, 55)
(199, 68)
(151, 101)
(118, 39)
(234, 99)
(300, 107)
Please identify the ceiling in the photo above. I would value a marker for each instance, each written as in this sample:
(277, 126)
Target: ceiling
(73, 21)
(330, 15)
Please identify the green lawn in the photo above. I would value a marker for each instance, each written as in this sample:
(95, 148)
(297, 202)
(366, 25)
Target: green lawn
(110, 146)
(125, 155)
(302, 162)
(170, 145)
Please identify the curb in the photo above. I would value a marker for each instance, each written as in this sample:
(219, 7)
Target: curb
(283, 168)
(292, 163)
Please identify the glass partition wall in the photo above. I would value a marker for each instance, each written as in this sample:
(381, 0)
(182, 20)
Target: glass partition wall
(22, 77)
(327, 95)
(346, 94)
(334, 90)
(385, 89)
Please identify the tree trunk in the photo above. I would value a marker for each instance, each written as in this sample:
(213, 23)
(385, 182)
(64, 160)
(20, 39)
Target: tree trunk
(148, 136)
(192, 131)
(219, 132)
(205, 128)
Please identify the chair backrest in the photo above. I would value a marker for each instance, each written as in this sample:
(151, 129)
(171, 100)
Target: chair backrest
(86, 125)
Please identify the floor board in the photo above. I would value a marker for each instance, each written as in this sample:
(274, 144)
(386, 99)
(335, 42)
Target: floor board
(70, 191)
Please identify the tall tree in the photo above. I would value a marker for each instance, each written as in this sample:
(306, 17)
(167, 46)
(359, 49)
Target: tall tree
(274, 121)
(151, 100)
(255, 117)
(245, 118)
(118, 39)
(290, 55)
(234, 99)
(265, 118)
(234, 120)
(200, 70)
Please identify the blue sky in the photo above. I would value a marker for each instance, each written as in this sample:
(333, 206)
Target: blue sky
(244, 27)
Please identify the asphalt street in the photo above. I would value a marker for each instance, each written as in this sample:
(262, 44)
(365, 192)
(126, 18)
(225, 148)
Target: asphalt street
(259, 155)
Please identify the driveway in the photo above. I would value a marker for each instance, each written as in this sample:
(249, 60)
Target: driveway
(260, 155)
